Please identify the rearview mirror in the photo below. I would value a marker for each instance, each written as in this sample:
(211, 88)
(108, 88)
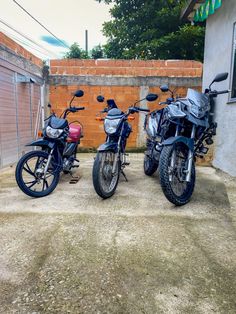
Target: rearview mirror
(220, 77)
(151, 97)
(100, 98)
(164, 88)
(79, 93)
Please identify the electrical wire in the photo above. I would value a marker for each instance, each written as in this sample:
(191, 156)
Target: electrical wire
(29, 39)
(38, 52)
(59, 40)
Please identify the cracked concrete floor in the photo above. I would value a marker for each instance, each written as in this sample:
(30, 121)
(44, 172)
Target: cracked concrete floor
(72, 252)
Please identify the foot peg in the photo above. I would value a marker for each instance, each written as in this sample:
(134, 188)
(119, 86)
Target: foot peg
(209, 141)
(204, 150)
(126, 164)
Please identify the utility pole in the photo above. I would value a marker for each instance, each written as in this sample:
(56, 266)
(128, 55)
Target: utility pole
(86, 41)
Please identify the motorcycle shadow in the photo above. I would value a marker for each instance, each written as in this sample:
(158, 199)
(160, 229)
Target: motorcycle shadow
(211, 191)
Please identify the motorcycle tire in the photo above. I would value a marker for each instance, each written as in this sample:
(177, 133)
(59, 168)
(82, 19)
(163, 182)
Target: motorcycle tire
(149, 165)
(101, 179)
(168, 187)
(23, 165)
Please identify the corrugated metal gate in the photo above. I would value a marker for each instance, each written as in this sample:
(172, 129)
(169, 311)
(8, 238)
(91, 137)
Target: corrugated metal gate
(19, 103)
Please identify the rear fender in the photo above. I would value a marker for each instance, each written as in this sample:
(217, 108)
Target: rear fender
(189, 142)
(108, 147)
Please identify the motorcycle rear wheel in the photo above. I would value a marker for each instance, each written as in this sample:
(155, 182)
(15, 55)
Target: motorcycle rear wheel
(149, 165)
(176, 191)
(29, 174)
(104, 182)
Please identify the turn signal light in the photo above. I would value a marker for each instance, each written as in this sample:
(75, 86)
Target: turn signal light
(40, 133)
(131, 118)
(99, 118)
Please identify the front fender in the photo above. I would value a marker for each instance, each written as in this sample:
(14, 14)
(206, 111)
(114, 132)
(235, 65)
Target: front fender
(108, 147)
(187, 141)
(42, 143)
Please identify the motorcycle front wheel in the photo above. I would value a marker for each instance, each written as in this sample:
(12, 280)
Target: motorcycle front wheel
(172, 178)
(30, 175)
(104, 179)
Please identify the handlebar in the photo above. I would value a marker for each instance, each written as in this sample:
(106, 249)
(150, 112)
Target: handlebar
(142, 109)
(223, 92)
(75, 109)
(71, 109)
(137, 109)
(104, 110)
(215, 93)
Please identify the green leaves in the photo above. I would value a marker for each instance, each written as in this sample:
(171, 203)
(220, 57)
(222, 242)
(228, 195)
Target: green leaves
(151, 30)
(76, 52)
(97, 52)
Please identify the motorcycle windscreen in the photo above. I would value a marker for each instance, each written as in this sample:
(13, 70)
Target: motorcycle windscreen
(198, 103)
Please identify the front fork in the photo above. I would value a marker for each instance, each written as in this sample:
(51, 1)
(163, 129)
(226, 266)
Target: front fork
(48, 162)
(190, 157)
(173, 159)
(117, 155)
(116, 159)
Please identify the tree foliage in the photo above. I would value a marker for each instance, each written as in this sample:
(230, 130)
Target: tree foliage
(97, 52)
(151, 30)
(75, 52)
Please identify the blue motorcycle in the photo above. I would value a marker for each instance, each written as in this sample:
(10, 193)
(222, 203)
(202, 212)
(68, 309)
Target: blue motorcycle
(110, 160)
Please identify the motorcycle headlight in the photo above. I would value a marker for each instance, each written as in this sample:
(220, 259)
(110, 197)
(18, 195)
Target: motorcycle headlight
(175, 112)
(110, 126)
(53, 133)
(199, 111)
(153, 124)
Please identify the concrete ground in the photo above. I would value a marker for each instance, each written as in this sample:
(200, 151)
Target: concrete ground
(72, 252)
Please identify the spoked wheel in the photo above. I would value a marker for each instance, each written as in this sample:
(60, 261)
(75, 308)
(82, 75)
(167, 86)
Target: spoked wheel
(149, 165)
(30, 175)
(105, 179)
(172, 177)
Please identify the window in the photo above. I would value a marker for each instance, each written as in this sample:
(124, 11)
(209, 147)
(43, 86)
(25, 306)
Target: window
(233, 75)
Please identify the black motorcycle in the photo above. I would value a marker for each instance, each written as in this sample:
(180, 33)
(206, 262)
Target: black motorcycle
(38, 172)
(110, 160)
(185, 129)
(152, 126)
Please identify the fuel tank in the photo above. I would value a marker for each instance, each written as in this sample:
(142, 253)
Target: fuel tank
(75, 133)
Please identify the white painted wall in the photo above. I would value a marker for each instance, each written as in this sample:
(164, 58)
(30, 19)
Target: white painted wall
(218, 58)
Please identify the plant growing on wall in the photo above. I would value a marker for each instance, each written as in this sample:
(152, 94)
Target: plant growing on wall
(151, 30)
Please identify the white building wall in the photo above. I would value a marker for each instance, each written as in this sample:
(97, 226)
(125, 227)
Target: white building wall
(218, 58)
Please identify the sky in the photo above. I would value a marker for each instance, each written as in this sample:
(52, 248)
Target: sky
(67, 19)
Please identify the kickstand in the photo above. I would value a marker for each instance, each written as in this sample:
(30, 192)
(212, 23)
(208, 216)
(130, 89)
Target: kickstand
(122, 172)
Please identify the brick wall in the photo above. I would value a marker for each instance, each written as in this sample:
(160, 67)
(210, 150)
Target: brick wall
(173, 68)
(7, 42)
(124, 80)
